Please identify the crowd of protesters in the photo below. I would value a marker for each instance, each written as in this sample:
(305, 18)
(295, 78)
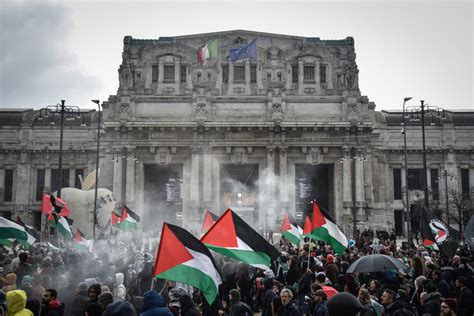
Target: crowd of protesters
(117, 279)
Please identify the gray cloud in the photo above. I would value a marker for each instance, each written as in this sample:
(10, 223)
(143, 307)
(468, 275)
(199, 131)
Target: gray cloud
(37, 65)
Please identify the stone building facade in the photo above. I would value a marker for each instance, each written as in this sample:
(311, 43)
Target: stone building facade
(262, 135)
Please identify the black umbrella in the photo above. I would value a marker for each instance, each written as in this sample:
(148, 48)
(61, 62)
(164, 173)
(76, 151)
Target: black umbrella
(375, 263)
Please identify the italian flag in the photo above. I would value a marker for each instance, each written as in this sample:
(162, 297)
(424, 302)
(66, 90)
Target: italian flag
(11, 230)
(81, 243)
(62, 225)
(50, 203)
(290, 230)
(233, 237)
(183, 258)
(208, 51)
(209, 220)
(129, 219)
(324, 228)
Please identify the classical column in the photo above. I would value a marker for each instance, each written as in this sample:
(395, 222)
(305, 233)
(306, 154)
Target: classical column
(194, 183)
(177, 71)
(346, 177)
(247, 72)
(289, 76)
(72, 177)
(367, 185)
(231, 73)
(359, 176)
(21, 183)
(2, 180)
(207, 178)
(283, 184)
(300, 72)
(130, 181)
(268, 187)
(117, 180)
(329, 76)
(161, 69)
(47, 178)
(139, 187)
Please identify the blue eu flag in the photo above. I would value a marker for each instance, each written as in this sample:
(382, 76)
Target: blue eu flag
(244, 51)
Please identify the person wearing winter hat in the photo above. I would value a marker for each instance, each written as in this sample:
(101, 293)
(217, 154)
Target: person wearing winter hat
(449, 307)
(104, 299)
(154, 305)
(344, 304)
(16, 302)
(80, 299)
(120, 308)
(237, 308)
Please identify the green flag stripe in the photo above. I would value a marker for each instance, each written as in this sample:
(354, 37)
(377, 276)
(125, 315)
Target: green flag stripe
(321, 233)
(194, 277)
(292, 238)
(13, 233)
(249, 257)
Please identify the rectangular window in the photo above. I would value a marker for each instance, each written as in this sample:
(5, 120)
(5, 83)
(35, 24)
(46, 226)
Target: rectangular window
(322, 73)
(397, 184)
(239, 73)
(415, 179)
(182, 74)
(465, 189)
(77, 181)
(55, 179)
(168, 73)
(154, 73)
(434, 183)
(253, 74)
(294, 74)
(225, 74)
(308, 73)
(40, 175)
(8, 195)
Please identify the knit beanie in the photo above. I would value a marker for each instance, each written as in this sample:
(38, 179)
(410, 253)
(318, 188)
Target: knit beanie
(105, 299)
(120, 308)
(234, 296)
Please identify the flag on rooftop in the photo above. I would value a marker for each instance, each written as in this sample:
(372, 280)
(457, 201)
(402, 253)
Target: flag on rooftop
(246, 51)
(209, 51)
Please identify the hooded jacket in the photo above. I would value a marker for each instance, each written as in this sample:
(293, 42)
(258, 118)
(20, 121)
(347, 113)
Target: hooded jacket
(53, 308)
(154, 305)
(120, 291)
(16, 302)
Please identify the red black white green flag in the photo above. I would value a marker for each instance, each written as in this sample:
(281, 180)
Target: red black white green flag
(233, 237)
(115, 221)
(209, 220)
(183, 258)
(129, 219)
(290, 230)
(80, 241)
(50, 203)
(307, 227)
(324, 228)
(436, 234)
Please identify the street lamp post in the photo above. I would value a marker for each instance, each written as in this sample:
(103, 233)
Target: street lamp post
(60, 109)
(94, 220)
(407, 202)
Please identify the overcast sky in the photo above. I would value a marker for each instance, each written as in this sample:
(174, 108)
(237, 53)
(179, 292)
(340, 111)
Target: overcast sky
(53, 50)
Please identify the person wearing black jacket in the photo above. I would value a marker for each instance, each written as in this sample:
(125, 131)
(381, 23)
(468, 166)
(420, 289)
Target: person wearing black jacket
(464, 297)
(51, 305)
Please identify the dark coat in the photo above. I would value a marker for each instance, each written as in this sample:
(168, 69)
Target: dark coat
(79, 304)
(154, 305)
(53, 308)
(187, 306)
(289, 310)
(432, 305)
(465, 302)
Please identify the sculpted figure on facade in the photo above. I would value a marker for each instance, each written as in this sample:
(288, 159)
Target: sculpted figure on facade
(126, 75)
(351, 76)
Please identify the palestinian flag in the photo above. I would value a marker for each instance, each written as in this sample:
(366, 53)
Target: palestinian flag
(436, 234)
(50, 203)
(31, 234)
(129, 219)
(323, 228)
(209, 220)
(11, 230)
(290, 230)
(307, 227)
(183, 258)
(115, 221)
(7, 243)
(208, 51)
(80, 242)
(233, 237)
(62, 225)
